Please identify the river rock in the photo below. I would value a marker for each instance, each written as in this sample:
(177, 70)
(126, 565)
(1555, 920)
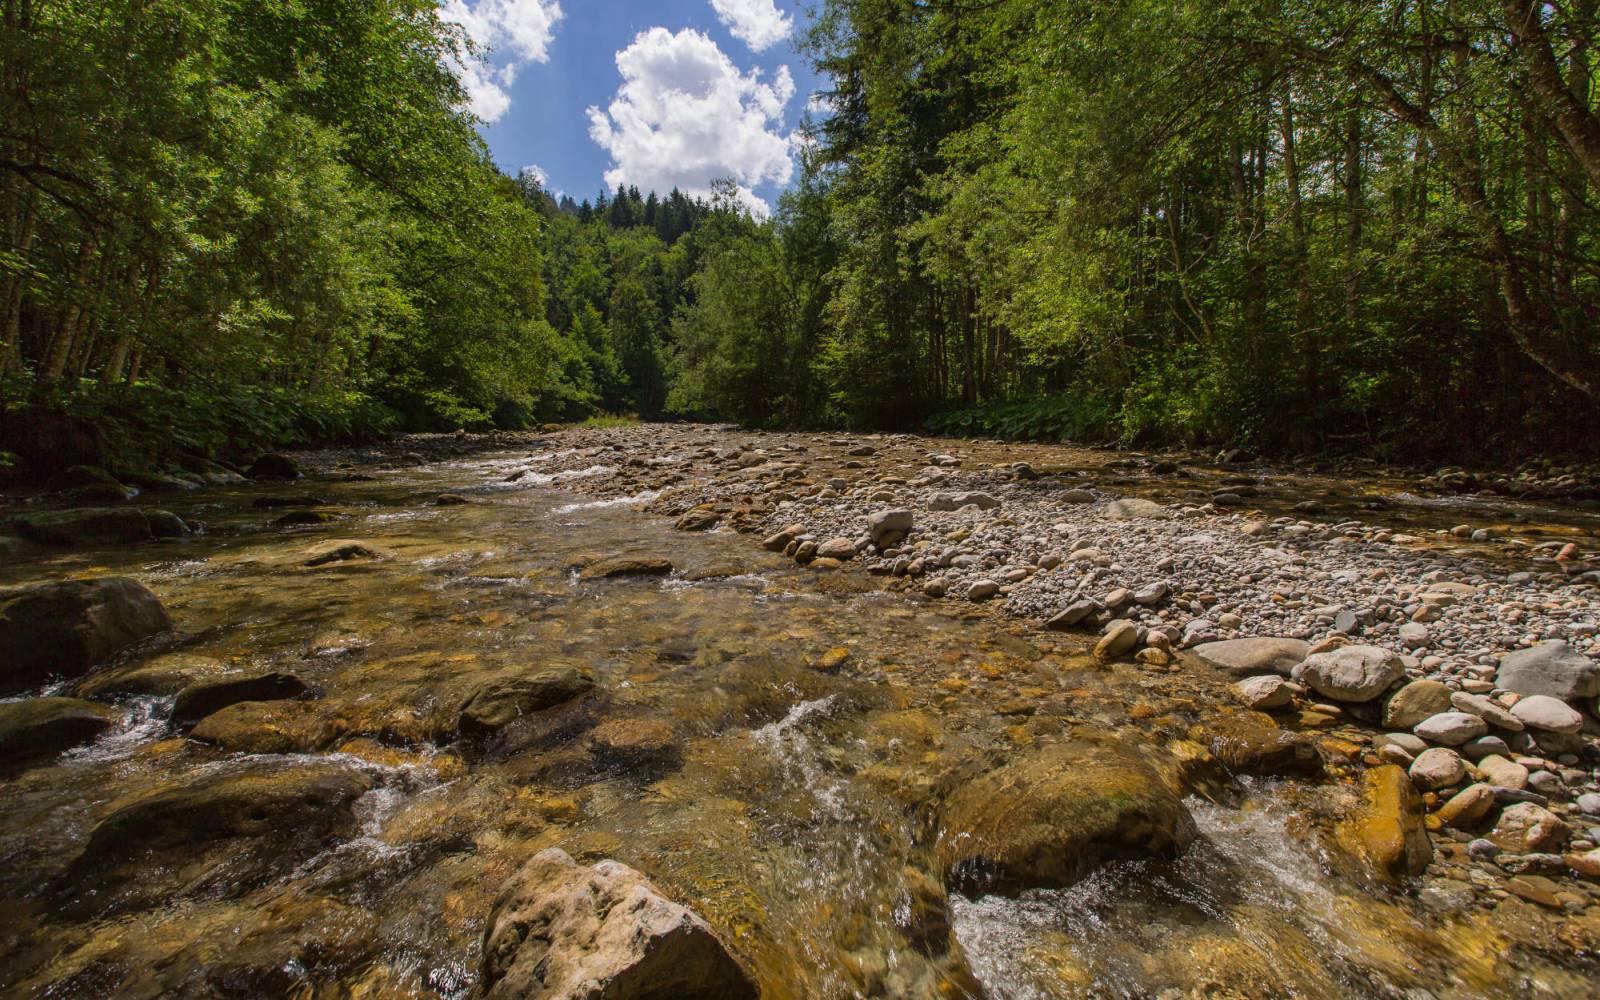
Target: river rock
(85, 526)
(63, 629)
(162, 676)
(274, 466)
(341, 553)
(223, 829)
(842, 549)
(1437, 768)
(1414, 703)
(501, 700)
(1262, 693)
(619, 566)
(1551, 668)
(1451, 728)
(982, 590)
(889, 526)
(35, 728)
(1049, 818)
(1255, 655)
(1073, 614)
(956, 501)
(1526, 828)
(1119, 637)
(1386, 830)
(270, 727)
(699, 519)
(564, 931)
(1487, 710)
(201, 698)
(1253, 745)
(1502, 772)
(1132, 508)
(1350, 673)
(1467, 808)
(1546, 713)
(634, 742)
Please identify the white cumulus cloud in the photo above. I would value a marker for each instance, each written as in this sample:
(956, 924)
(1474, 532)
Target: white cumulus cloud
(509, 34)
(757, 23)
(685, 115)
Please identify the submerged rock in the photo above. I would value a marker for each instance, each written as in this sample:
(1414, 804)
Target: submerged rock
(607, 569)
(37, 728)
(270, 727)
(501, 700)
(1386, 831)
(1050, 818)
(564, 931)
(162, 676)
(202, 698)
(1253, 745)
(63, 629)
(225, 830)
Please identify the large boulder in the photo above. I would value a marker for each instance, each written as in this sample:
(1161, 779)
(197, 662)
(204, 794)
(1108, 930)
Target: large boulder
(63, 629)
(1254, 655)
(1386, 830)
(36, 728)
(1551, 668)
(1051, 817)
(564, 931)
(1350, 673)
(201, 698)
(501, 700)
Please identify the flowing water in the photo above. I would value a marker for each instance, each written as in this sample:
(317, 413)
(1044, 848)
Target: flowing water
(789, 805)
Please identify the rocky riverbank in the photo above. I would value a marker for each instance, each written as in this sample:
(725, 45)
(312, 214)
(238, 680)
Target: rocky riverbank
(1466, 653)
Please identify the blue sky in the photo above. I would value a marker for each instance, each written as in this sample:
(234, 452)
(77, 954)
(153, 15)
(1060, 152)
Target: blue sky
(654, 94)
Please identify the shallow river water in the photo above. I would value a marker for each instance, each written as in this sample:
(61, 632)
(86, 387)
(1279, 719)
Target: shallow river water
(782, 794)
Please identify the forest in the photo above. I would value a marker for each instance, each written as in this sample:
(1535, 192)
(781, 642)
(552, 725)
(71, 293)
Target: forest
(1287, 227)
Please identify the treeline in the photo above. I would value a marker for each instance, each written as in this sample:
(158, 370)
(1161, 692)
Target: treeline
(1287, 226)
(229, 220)
(1284, 225)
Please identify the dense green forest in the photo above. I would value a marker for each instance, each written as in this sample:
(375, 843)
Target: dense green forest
(1286, 226)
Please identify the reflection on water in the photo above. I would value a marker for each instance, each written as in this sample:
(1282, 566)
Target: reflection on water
(778, 787)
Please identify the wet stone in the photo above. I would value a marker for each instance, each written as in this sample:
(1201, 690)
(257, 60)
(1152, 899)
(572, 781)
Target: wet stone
(37, 728)
(564, 931)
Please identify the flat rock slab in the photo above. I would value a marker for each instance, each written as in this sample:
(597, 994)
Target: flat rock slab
(1255, 655)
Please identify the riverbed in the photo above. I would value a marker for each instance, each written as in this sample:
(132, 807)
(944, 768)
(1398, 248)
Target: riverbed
(769, 740)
